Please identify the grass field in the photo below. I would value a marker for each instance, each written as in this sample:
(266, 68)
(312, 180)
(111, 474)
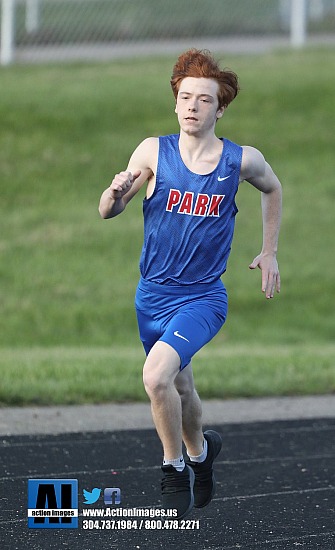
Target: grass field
(68, 329)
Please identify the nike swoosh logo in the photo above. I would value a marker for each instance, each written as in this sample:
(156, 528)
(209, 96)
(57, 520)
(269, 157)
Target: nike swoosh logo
(222, 179)
(176, 333)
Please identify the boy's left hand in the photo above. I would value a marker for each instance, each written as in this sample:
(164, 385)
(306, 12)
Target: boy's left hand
(270, 273)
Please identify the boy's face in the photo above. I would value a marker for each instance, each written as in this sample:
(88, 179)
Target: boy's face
(197, 105)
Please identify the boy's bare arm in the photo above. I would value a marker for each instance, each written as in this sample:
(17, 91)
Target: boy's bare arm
(259, 173)
(127, 183)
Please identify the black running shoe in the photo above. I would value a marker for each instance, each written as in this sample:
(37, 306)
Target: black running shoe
(177, 490)
(204, 484)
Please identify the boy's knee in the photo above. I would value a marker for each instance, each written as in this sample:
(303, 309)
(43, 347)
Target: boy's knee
(185, 392)
(160, 370)
(154, 381)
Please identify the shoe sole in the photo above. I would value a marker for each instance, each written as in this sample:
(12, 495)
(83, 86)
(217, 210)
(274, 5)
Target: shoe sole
(216, 452)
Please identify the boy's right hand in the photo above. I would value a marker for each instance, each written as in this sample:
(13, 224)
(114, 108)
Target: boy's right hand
(121, 184)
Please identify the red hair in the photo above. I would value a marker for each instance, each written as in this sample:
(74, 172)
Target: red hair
(201, 64)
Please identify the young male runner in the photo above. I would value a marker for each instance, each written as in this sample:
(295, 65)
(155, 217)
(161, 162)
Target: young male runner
(189, 214)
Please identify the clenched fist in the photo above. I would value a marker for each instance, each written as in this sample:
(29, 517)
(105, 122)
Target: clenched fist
(121, 184)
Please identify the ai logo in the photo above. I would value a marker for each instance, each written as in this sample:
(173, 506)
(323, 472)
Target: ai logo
(112, 495)
(53, 503)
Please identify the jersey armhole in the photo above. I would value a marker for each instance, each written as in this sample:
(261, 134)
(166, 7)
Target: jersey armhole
(146, 198)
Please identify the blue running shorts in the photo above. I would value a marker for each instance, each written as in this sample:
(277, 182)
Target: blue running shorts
(185, 317)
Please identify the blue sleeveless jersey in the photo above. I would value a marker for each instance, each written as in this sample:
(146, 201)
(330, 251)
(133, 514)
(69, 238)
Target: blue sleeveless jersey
(189, 219)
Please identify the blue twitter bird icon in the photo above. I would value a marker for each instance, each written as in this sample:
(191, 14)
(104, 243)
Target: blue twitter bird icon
(91, 497)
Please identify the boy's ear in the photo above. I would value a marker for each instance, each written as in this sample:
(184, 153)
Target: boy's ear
(220, 112)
